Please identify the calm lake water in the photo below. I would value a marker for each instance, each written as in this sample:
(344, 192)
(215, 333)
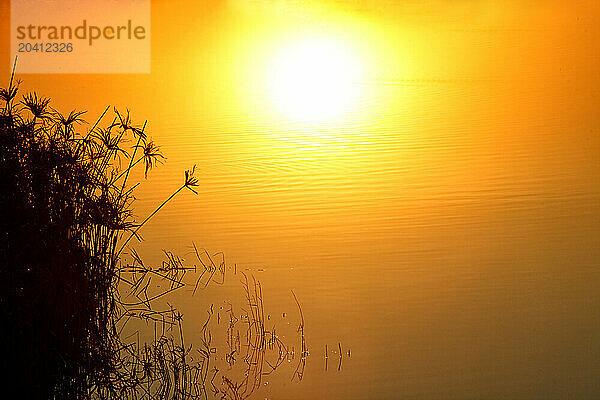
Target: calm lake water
(453, 248)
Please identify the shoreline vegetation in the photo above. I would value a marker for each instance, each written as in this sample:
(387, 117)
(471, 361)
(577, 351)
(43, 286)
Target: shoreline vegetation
(71, 283)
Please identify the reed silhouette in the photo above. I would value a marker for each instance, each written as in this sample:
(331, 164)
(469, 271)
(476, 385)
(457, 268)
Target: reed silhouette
(66, 290)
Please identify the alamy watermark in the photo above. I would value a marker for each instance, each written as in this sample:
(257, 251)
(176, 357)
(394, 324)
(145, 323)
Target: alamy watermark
(81, 36)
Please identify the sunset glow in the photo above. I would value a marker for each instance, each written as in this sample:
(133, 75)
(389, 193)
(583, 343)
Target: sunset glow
(314, 79)
(300, 199)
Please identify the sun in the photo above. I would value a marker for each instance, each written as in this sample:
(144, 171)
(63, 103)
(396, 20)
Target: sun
(314, 80)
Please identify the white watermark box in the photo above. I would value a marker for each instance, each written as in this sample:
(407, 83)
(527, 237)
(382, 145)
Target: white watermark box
(81, 36)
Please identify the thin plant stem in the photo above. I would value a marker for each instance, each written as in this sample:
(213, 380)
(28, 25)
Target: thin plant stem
(132, 157)
(164, 203)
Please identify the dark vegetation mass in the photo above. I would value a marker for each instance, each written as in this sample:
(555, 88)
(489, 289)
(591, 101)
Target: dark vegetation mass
(65, 221)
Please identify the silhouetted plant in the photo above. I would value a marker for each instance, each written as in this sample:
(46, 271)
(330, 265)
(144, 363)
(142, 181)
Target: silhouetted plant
(65, 220)
(63, 215)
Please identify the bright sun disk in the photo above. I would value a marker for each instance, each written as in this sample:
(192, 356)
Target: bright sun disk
(314, 80)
